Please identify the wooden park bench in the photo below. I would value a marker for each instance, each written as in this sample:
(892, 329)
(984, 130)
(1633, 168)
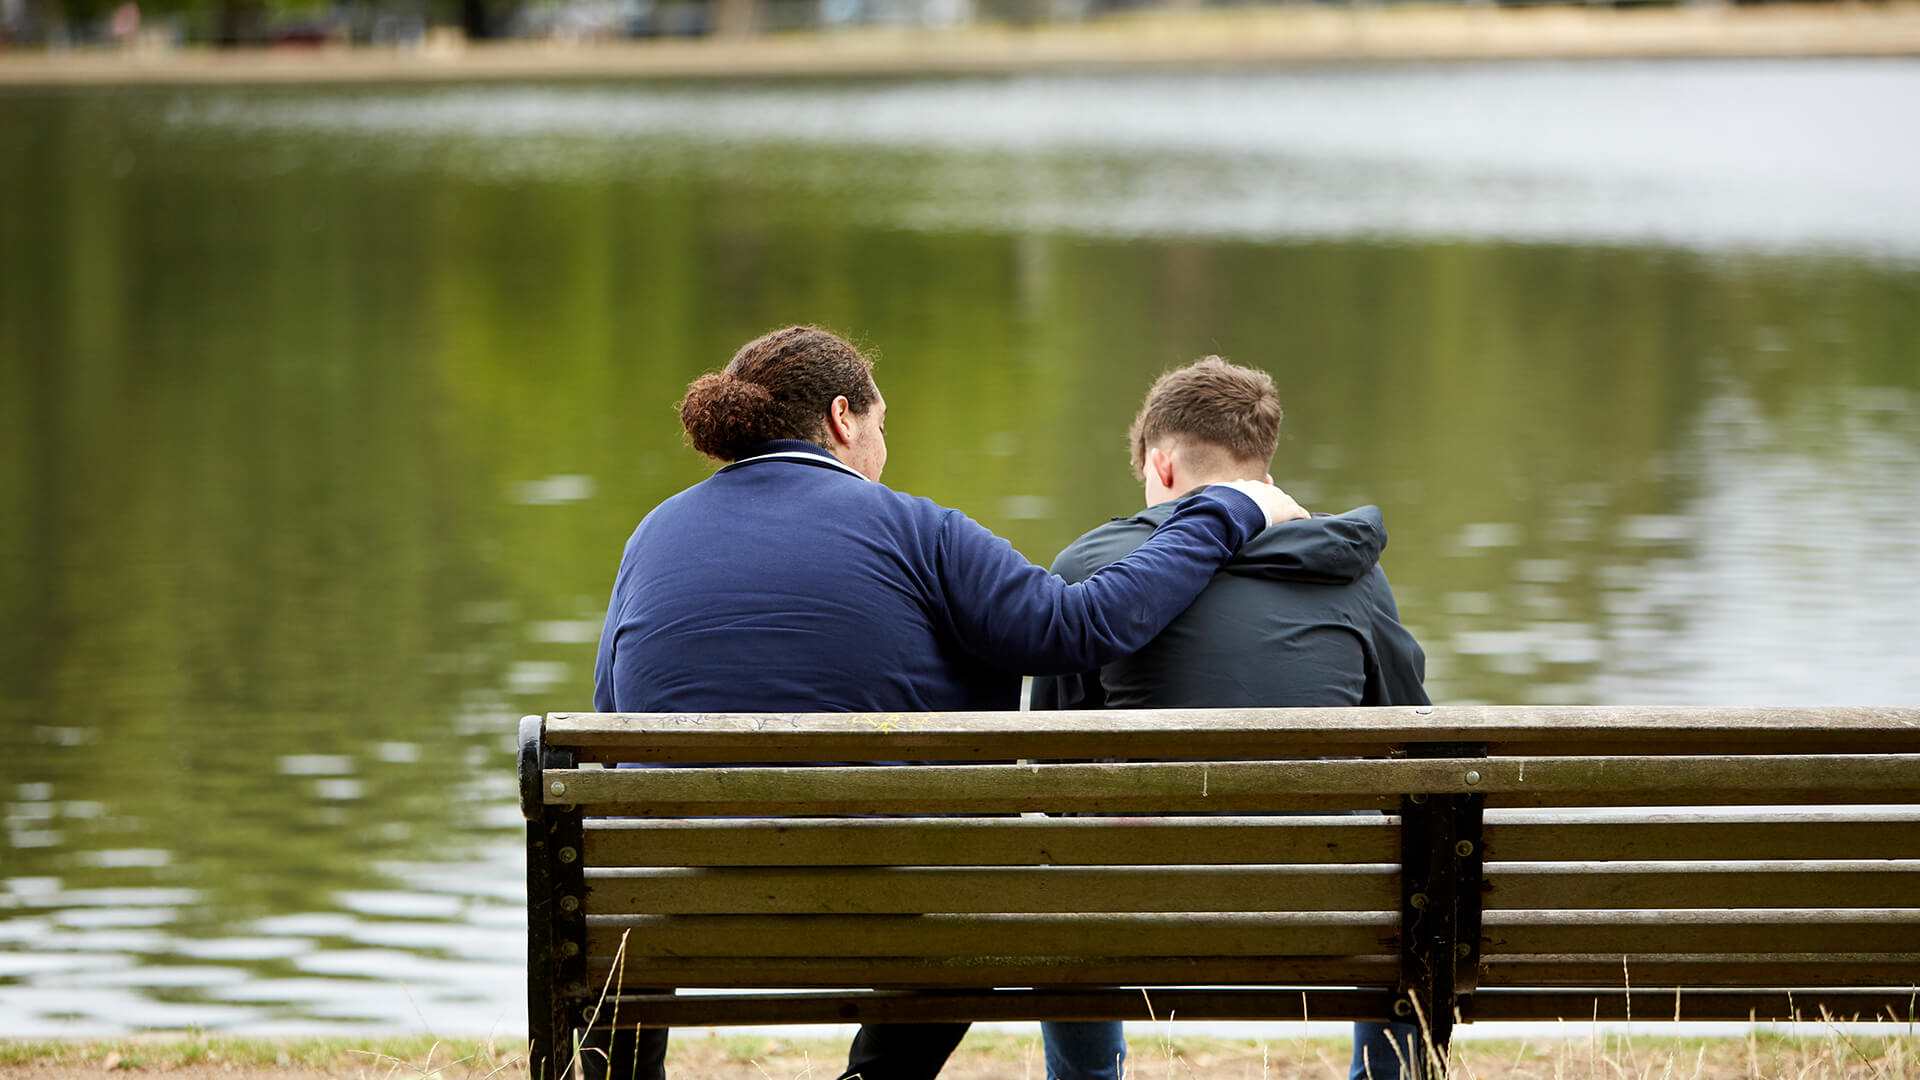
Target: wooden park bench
(1532, 863)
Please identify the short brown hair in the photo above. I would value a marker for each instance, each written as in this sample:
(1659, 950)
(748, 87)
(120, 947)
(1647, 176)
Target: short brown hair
(1230, 408)
(778, 386)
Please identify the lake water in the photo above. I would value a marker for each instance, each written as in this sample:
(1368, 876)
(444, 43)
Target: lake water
(324, 415)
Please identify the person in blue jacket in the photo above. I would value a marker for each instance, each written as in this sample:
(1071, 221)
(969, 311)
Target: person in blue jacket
(792, 580)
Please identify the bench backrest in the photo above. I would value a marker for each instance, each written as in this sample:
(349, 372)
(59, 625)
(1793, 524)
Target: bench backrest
(1522, 852)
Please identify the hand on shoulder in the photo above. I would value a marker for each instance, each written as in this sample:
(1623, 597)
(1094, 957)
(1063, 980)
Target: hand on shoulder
(1276, 504)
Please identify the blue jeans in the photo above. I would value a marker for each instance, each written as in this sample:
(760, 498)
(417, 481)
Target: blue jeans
(1374, 1056)
(1097, 1050)
(1084, 1049)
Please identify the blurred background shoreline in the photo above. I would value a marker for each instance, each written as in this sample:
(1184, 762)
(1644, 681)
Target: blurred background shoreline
(574, 41)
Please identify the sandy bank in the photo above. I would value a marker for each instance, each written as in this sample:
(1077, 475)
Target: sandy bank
(1239, 36)
(985, 1055)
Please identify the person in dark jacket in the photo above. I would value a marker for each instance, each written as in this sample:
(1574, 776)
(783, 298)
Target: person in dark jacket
(791, 580)
(1301, 617)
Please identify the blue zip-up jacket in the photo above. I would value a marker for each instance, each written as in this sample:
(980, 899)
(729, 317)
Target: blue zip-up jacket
(796, 585)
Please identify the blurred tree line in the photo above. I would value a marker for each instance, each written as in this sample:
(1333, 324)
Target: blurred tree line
(253, 22)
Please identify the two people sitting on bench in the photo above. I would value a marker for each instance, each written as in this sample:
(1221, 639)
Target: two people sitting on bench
(793, 581)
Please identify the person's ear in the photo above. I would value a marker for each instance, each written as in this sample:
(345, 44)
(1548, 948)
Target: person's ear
(1160, 461)
(840, 421)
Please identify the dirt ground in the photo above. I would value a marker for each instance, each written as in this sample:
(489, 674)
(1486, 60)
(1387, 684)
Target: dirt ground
(985, 1055)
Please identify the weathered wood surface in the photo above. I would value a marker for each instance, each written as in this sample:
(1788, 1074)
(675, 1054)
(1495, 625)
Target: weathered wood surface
(1511, 836)
(1896, 1006)
(1706, 970)
(662, 1010)
(1235, 786)
(1703, 885)
(1629, 835)
(976, 971)
(1695, 971)
(1314, 934)
(1670, 932)
(659, 1010)
(1223, 734)
(967, 889)
(993, 841)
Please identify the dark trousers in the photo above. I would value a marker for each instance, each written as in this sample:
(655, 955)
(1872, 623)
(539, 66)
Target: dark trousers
(901, 1051)
(879, 1052)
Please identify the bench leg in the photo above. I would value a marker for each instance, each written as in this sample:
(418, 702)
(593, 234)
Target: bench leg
(556, 923)
(1441, 861)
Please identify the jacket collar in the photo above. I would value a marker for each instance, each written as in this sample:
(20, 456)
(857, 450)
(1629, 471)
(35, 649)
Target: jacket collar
(797, 451)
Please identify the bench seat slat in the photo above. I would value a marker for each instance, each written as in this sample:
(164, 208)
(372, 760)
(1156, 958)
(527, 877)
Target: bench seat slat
(662, 1010)
(1703, 885)
(1598, 971)
(1705, 970)
(1604, 836)
(1225, 733)
(1001, 841)
(1331, 934)
(1231, 786)
(976, 971)
(951, 890)
(1667, 932)
(1895, 1006)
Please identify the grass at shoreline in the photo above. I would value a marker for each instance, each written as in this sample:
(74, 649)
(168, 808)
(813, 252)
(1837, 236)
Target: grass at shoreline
(177, 1051)
(985, 1054)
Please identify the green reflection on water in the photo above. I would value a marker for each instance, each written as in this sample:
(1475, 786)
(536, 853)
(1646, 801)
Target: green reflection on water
(307, 456)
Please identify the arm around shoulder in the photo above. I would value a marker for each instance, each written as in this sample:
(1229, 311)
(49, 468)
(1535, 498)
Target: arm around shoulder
(1019, 617)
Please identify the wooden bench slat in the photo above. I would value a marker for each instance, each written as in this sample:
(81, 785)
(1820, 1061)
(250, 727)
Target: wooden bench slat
(1004, 841)
(1511, 836)
(976, 971)
(1640, 971)
(1668, 932)
(1229, 733)
(1703, 885)
(1705, 970)
(1895, 1006)
(965, 890)
(1231, 786)
(1332, 934)
(666, 1010)
(1604, 836)
(663, 1010)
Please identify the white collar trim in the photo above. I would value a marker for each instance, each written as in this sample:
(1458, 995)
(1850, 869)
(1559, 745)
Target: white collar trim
(800, 455)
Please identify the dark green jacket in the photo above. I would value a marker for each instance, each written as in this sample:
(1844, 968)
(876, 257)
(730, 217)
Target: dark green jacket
(1302, 616)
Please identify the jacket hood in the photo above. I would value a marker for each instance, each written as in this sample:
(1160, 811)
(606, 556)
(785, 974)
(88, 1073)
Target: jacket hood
(1326, 549)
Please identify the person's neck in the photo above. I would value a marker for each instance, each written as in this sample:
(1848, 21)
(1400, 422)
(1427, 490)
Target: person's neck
(1191, 484)
(1188, 487)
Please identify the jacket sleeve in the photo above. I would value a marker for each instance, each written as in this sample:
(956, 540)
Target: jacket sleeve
(1401, 663)
(603, 696)
(1077, 690)
(1018, 617)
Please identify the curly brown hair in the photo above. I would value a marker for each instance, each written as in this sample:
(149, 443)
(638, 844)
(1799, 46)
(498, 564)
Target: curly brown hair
(1222, 406)
(778, 386)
